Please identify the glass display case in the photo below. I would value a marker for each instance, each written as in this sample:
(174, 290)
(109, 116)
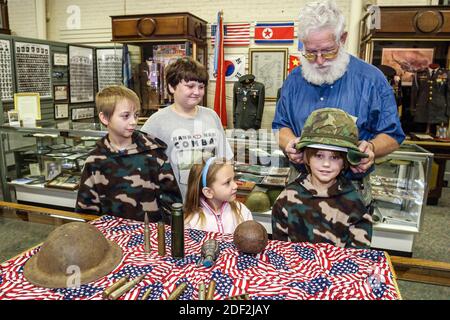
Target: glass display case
(261, 171)
(29, 155)
(399, 189)
(42, 164)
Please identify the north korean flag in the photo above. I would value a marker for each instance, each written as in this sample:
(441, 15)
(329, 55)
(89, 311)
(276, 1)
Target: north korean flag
(274, 32)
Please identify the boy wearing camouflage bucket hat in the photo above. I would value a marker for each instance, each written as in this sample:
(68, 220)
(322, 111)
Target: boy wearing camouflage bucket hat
(321, 205)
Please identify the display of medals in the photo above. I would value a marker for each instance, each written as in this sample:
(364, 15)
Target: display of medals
(33, 68)
(109, 67)
(6, 83)
(81, 74)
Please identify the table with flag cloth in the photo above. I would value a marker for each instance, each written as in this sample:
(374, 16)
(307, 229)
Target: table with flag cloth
(284, 270)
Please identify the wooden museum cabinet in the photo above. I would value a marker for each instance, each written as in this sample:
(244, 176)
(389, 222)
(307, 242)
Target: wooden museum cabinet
(162, 37)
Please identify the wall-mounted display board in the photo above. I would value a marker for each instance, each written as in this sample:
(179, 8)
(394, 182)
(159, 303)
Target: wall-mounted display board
(33, 71)
(6, 79)
(109, 67)
(81, 77)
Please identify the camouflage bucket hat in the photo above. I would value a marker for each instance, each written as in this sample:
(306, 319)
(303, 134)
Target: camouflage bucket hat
(331, 127)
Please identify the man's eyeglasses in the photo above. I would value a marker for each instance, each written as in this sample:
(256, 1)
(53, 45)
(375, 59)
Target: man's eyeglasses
(328, 55)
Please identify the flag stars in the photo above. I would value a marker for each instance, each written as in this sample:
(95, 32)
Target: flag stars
(278, 261)
(224, 283)
(246, 261)
(345, 267)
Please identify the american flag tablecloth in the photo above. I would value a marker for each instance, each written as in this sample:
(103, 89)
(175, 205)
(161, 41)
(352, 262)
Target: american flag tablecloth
(283, 270)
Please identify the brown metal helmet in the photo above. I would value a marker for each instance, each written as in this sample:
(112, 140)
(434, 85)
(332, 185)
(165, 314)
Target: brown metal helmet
(71, 247)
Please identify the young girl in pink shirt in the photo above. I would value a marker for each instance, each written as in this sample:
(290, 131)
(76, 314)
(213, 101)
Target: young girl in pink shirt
(211, 198)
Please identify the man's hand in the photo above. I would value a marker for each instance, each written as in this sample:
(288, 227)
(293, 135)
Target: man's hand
(365, 163)
(293, 154)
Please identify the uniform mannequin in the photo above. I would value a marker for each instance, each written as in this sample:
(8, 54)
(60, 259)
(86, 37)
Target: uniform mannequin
(248, 103)
(149, 86)
(430, 95)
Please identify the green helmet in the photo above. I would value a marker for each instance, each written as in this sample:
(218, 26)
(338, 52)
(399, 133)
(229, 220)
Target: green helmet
(332, 129)
(258, 201)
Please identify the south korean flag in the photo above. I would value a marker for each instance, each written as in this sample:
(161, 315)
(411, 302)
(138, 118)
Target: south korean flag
(234, 67)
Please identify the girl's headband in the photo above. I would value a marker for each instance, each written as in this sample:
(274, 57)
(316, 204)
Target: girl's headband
(205, 170)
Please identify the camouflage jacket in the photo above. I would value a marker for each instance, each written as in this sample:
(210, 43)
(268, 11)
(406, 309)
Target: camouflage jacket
(338, 216)
(128, 182)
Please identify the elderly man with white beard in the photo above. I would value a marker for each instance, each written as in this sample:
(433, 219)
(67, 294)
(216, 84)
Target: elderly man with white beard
(330, 77)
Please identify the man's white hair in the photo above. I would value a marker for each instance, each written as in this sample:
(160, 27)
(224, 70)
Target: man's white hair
(321, 15)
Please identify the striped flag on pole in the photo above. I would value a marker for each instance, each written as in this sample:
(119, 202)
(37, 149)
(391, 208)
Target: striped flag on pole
(235, 34)
(220, 105)
(126, 67)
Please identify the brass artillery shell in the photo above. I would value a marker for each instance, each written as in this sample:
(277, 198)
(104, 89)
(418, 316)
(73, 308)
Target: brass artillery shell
(201, 291)
(161, 239)
(178, 291)
(125, 288)
(211, 289)
(147, 294)
(146, 234)
(116, 285)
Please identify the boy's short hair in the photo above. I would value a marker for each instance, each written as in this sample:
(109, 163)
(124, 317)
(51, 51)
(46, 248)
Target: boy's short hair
(186, 69)
(107, 99)
(309, 152)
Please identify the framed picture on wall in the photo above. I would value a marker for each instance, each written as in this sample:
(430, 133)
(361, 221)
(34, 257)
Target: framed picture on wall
(83, 113)
(109, 67)
(407, 61)
(62, 111)
(60, 59)
(60, 92)
(81, 76)
(269, 66)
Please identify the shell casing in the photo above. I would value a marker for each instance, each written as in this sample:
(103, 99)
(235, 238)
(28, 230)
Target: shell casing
(177, 230)
(201, 291)
(146, 235)
(243, 296)
(161, 239)
(116, 285)
(125, 288)
(147, 294)
(178, 291)
(211, 290)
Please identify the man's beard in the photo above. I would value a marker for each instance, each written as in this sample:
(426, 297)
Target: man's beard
(329, 72)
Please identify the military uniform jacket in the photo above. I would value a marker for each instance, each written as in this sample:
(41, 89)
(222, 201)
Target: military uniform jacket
(430, 97)
(248, 104)
(128, 182)
(339, 217)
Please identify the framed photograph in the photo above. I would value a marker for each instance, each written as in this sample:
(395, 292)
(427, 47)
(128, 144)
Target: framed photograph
(6, 74)
(62, 111)
(407, 61)
(33, 69)
(269, 66)
(64, 181)
(82, 113)
(109, 67)
(81, 76)
(13, 118)
(28, 106)
(60, 59)
(51, 169)
(60, 92)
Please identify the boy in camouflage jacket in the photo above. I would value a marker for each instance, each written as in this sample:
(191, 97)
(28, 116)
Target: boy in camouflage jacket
(128, 172)
(321, 205)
